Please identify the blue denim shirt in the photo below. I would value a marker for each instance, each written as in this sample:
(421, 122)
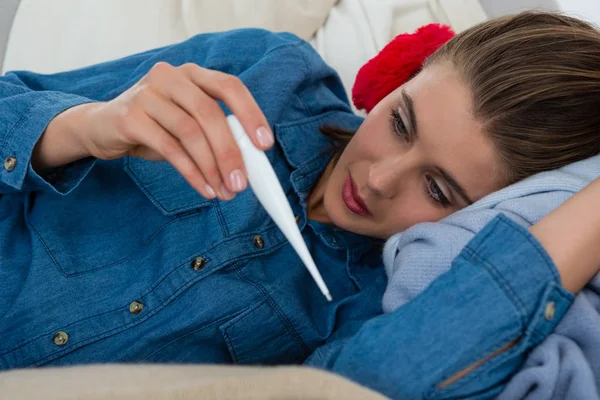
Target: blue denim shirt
(123, 261)
(108, 261)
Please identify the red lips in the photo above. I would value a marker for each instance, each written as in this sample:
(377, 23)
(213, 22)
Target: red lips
(352, 198)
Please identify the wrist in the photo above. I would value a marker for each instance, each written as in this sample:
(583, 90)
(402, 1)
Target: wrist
(62, 141)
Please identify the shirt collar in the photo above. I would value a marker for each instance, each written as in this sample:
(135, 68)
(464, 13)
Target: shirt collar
(308, 151)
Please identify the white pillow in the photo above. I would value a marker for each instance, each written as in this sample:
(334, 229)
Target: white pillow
(50, 36)
(356, 30)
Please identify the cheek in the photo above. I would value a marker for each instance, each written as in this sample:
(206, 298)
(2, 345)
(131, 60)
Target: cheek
(410, 209)
(370, 141)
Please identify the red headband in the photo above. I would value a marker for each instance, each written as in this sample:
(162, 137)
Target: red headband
(396, 63)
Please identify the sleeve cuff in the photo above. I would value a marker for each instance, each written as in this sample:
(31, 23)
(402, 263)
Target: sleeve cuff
(61, 180)
(22, 138)
(523, 269)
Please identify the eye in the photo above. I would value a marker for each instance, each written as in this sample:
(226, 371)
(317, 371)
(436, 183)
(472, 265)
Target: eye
(397, 124)
(435, 193)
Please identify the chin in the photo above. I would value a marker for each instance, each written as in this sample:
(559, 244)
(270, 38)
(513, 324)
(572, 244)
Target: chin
(335, 213)
(339, 218)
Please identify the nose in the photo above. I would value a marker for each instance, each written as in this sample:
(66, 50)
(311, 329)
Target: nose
(386, 174)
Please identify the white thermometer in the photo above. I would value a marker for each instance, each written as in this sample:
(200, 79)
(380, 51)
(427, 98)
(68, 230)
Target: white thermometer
(269, 192)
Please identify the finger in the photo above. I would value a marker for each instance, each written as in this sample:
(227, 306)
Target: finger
(149, 133)
(211, 120)
(146, 153)
(186, 129)
(237, 97)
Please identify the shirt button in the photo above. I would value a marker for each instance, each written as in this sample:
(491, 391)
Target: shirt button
(550, 311)
(136, 307)
(333, 239)
(297, 219)
(259, 243)
(60, 338)
(198, 263)
(10, 163)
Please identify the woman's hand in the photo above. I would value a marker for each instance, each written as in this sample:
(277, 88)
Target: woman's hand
(171, 114)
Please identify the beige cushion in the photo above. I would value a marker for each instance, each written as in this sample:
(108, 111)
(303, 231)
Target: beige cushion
(50, 36)
(147, 382)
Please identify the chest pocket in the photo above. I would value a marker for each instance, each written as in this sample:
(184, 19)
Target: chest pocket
(115, 216)
(164, 186)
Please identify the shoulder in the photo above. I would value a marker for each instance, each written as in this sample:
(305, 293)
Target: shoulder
(287, 77)
(251, 46)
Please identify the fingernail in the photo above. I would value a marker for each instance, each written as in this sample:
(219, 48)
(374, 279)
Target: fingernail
(238, 182)
(264, 136)
(211, 191)
(227, 195)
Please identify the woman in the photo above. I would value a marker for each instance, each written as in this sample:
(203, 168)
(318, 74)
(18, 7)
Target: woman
(108, 257)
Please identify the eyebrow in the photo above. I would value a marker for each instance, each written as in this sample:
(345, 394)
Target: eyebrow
(412, 119)
(410, 107)
(455, 185)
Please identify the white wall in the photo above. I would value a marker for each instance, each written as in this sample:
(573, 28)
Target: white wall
(585, 9)
(495, 8)
(7, 12)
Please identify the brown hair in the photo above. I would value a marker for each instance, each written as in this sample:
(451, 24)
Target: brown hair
(534, 78)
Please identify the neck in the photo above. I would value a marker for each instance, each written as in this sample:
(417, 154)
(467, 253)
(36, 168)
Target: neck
(315, 208)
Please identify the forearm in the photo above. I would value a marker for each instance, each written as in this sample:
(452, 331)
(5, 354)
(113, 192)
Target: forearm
(571, 235)
(60, 143)
(468, 331)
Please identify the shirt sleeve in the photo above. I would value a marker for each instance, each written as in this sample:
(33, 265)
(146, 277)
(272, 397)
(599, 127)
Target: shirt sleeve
(29, 101)
(566, 365)
(24, 115)
(502, 289)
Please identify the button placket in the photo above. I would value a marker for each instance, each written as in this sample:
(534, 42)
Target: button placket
(136, 307)
(60, 338)
(198, 263)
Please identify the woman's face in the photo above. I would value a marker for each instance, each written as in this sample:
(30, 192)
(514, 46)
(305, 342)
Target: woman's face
(419, 156)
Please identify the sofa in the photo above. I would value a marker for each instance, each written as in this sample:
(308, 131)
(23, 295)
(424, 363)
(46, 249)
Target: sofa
(50, 36)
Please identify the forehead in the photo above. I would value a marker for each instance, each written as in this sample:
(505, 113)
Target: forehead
(449, 135)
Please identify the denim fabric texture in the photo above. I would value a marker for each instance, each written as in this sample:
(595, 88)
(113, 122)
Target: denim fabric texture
(497, 292)
(81, 244)
(121, 261)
